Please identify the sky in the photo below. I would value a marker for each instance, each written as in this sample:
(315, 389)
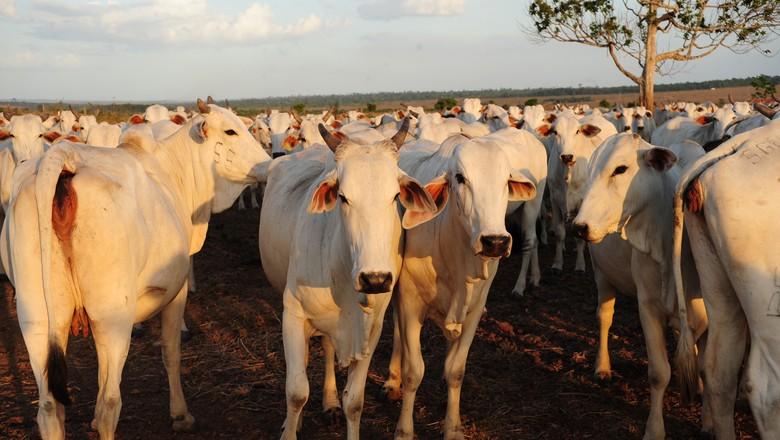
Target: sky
(148, 50)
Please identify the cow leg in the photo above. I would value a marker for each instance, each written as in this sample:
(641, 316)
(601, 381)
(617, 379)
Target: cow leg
(455, 369)
(392, 386)
(560, 238)
(253, 196)
(605, 311)
(354, 393)
(530, 211)
(726, 333)
(331, 405)
(651, 315)
(543, 210)
(172, 318)
(579, 266)
(296, 343)
(112, 341)
(413, 368)
(241, 204)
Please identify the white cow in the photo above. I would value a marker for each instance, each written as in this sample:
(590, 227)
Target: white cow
(471, 111)
(157, 112)
(103, 135)
(336, 258)
(701, 130)
(65, 248)
(733, 206)
(629, 188)
(450, 262)
(573, 142)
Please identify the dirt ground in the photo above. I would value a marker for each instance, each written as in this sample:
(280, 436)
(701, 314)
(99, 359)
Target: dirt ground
(529, 375)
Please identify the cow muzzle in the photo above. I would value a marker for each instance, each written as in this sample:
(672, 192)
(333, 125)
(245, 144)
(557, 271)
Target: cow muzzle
(568, 160)
(495, 246)
(580, 230)
(375, 282)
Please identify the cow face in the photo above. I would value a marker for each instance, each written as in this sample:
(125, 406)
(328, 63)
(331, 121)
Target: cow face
(27, 135)
(480, 183)
(365, 187)
(229, 150)
(66, 120)
(624, 176)
(575, 141)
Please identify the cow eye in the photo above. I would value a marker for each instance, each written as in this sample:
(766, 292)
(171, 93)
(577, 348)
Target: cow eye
(343, 199)
(459, 178)
(231, 132)
(619, 170)
(40, 135)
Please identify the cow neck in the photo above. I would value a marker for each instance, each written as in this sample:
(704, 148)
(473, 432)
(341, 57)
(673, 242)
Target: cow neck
(649, 230)
(180, 156)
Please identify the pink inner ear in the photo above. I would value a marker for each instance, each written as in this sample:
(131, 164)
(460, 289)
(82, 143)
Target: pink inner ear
(204, 129)
(177, 119)
(4, 135)
(521, 190)
(324, 197)
(544, 130)
(136, 119)
(51, 136)
(704, 119)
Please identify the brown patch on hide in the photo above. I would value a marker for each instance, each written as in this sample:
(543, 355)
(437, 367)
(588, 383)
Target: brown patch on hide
(694, 196)
(80, 323)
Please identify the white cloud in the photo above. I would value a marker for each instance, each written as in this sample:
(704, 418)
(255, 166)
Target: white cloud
(8, 8)
(165, 21)
(392, 9)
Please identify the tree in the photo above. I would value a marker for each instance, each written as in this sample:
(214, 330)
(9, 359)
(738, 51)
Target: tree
(764, 87)
(636, 29)
(370, 107)
(532, 101)
(299, 108)
(445, 103)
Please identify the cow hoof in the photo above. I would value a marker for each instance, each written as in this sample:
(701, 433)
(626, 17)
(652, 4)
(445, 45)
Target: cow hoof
(454, 434)
(138, 331)
(93, 424)
(183, 422)
(556, 270)
(391, 393)
(579, 269)
(517, 293)
(604, 376)
(333, 416)
(402, 435)
(186, 335)
(706, 435)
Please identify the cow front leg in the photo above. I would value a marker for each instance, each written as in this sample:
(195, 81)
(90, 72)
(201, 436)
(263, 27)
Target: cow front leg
(392, 386)
(354, 393)
(172, 318)
(560, 239)
(529, 213)
(579, 265)
(454, 370)
(295, 355)
(605, 311)
(651, 315)
(331, 406)
(413, 368)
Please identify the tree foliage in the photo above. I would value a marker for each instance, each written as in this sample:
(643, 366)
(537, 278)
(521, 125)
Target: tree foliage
(445, 103)
(764, 87)
(635, 30)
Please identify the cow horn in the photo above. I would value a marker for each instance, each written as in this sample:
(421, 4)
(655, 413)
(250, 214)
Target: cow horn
(764, 110)
(331, 141)
(414, 113)
(400, 137)
(44, 116)
(295, 116)
(327, 115)
(97, 113)
(731, 100)
(202, 107)
(75, 113)
(210, 100)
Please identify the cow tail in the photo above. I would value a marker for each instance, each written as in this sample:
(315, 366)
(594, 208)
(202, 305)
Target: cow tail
(685, 359)
(56, 207)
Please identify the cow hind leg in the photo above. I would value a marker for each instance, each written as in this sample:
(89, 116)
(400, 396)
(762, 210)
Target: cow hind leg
(579, 265)
(172, 318)
(528, 246)
(659, 372)
(560, 239)
(253, 196)
(331, 405)
(112, 341)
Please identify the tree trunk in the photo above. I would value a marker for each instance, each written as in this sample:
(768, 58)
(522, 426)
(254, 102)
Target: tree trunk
(648, 72)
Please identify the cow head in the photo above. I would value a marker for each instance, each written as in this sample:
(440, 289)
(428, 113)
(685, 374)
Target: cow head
(279, 124)
(365, 187)
(27, 135)
(624, 176)
(227, 148)
(574, 143)
(480, 182)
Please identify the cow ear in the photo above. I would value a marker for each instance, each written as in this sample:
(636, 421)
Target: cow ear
(660, 158)
(520, 124)
(4, 135)
(589, 130)
(51, 136)
(203, 129)
(289, 143)
(324, 197)
(648, 114)
(437, 194)
(543, 129)
(520, 188)
(178, 119)
(703, 120)
(137, 119)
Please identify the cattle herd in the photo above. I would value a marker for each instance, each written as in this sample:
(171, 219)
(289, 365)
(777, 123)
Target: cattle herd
(677, 206)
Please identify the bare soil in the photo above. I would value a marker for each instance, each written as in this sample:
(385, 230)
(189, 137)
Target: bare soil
(529, 375)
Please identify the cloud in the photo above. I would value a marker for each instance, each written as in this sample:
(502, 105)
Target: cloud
(164, 22)
(392, 9)
(30, 59)
(8, 8)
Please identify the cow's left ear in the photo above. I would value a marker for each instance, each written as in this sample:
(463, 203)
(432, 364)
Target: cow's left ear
(4, 135)
(660, 158)
(520, 187)
(438, 192)
(589, 130)
(324, 197)
(703, 120)
(418, 203)
(648, 114)
(203, 129)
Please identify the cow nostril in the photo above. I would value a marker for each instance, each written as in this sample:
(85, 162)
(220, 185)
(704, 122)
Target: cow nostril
(626, 128)
(567, 158)
(494, 245)
(375, 282)
(580, 230)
